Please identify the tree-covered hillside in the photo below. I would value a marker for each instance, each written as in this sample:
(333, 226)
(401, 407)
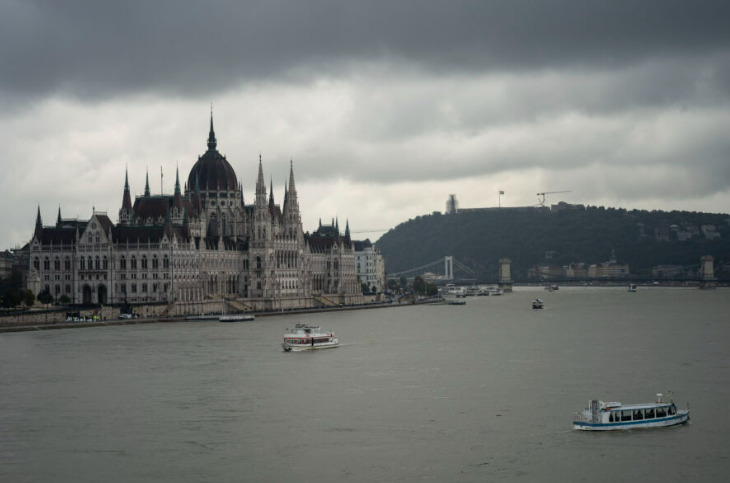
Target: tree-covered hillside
(529, 237)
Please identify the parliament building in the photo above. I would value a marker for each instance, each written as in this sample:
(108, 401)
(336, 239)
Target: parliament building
(199, 250)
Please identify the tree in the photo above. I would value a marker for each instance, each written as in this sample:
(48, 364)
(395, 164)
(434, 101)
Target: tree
(64, 300)
(419, 286)
(45, 297)
(28, 298)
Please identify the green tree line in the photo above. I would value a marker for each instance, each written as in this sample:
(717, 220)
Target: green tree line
(642, 239)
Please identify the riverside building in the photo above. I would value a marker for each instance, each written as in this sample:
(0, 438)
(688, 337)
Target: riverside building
(198, 250)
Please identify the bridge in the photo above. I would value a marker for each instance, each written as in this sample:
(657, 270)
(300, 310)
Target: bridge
(445, 269)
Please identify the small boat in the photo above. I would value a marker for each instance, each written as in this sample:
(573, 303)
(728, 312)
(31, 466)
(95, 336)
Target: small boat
(537, 304)
(202, 317)
(607, 416)
(632, 287)
(236, 318)
(306, 337)
(456, 302)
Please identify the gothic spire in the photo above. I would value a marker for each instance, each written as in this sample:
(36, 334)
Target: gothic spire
(58, 220)
(211, 135)
(126, 198)
(147, 183)
(177, 181)
(260, 186)
(292, 188)
(38, 232)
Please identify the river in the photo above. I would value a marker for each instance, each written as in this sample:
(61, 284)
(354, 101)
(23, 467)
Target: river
(481, 392)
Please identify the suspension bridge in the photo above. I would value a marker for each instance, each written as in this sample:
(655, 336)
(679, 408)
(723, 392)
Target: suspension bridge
(444, 269)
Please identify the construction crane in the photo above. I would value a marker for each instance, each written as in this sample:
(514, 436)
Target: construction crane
(541, 196)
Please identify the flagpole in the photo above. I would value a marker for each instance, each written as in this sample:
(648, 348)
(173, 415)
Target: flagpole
(161, 193)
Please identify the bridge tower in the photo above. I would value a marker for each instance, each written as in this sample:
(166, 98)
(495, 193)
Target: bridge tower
(707, 273)
(449, 268)
(505, 278)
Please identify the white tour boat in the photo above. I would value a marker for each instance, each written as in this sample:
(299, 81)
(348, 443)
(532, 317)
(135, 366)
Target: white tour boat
(606, 416)
(236, 318)
(308, 337)
(537, 304)
(632, 287)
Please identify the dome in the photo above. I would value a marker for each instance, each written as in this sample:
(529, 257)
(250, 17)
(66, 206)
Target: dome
(212, 171)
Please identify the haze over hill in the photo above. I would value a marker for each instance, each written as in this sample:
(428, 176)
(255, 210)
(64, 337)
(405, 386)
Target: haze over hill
(530, 237)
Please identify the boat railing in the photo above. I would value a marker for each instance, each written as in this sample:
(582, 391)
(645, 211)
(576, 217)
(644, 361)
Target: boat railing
(581, 416)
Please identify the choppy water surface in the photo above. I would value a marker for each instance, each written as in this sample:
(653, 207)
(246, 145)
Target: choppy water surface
(479, 392)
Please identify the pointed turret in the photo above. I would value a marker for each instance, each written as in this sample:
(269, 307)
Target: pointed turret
(59, 221)
(212, 143)
(38, 224)
(260, 186)
(147, 184)
(125, 213)
(347, 230)
(126, 199)
(271, 196)
(177, 201)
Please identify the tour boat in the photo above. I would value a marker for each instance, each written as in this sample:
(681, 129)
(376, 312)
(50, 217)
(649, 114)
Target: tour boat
(537, 304)
(236, 318)
(632, 287)
(308, 337)
(606, 416)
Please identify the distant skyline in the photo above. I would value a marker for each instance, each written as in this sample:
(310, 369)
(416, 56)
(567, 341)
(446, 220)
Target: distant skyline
(385, 108)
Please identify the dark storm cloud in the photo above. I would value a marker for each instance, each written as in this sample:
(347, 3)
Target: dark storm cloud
(101, 48)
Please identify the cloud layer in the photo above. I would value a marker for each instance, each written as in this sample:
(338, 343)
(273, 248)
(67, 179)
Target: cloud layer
(385, 107)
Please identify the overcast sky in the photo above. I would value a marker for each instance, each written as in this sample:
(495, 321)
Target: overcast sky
(385, 107)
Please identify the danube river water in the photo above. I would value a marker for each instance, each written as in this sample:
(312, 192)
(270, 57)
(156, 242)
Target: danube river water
(481, 392)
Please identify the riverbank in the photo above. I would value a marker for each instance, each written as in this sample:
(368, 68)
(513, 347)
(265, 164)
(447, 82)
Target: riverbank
(20, 326)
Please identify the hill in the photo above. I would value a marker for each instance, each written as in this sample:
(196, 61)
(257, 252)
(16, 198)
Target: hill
(557, 237)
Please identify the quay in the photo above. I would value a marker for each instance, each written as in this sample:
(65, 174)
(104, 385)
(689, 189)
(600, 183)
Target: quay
(21, 326)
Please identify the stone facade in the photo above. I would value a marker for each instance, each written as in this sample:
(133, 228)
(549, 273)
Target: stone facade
(200, 249)
(370, 265)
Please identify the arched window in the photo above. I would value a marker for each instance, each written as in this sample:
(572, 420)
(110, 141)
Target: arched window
(155, 262)
(123, 263)
(258, 262)
(46, 264)
(134, 262)
(67, 263)
(98, 264)
(144, 262)
(36, 263)
(90, 263)
(82, 263)
(57, 264)
(165, 262)
(105, 263)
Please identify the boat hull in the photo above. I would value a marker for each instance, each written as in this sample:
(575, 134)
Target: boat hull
(235, 318)
(680, 418)
(303, 348)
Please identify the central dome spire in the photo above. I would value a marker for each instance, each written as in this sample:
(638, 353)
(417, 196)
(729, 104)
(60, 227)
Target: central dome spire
(211, 135)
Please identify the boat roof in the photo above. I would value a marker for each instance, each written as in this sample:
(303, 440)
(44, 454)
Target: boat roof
(614, 406)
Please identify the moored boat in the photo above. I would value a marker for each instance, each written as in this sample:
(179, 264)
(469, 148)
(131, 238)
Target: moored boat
(306, 337)
(607, 416)
(537, 304)
(632, 287)
(236, 318)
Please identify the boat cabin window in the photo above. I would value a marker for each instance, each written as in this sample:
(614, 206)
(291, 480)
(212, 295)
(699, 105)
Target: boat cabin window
(672, 410)
(649, 413)
(610, 417)
(638, 414)
(625, 415)
(661, 412)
